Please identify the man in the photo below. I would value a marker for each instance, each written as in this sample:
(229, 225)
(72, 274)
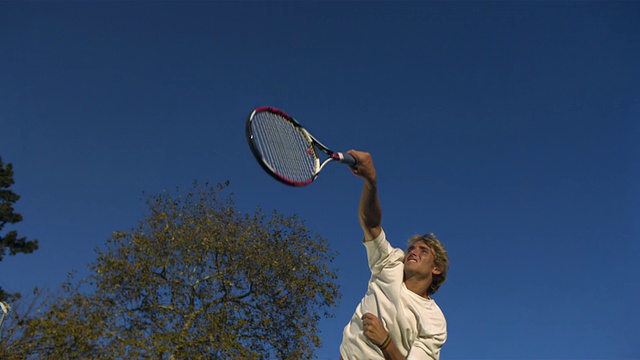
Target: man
(396, 319)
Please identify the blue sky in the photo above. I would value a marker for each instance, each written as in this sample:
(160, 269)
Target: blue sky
(507, 128)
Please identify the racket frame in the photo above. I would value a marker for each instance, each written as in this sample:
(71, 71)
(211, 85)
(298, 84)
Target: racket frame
(312, 141)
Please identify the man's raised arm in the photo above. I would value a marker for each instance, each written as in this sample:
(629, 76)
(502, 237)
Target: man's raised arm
(369, 210)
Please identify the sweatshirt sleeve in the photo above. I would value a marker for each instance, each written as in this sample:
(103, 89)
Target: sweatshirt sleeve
(381, 254)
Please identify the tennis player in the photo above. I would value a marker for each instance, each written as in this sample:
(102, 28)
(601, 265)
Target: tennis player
(396, 318)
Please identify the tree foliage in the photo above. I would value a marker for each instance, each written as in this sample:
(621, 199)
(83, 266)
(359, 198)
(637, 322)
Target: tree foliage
(195, 279)
(10, 241)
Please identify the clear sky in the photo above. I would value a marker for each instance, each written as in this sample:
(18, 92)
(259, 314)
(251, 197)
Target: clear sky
(507, 128)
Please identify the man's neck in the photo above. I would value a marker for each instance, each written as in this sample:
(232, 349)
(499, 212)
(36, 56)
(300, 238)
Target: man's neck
(418, 286)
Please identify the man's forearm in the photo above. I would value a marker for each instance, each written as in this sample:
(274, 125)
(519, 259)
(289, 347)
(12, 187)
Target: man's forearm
(370, 210)
(392, 352)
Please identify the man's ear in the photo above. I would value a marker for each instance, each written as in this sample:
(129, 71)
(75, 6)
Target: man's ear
(437, 271)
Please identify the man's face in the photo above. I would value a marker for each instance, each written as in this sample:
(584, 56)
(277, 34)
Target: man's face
(419, 259)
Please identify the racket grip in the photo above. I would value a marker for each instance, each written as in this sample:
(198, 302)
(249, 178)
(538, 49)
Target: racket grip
(348, 160)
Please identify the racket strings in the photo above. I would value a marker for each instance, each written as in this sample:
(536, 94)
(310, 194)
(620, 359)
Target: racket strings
(284, 148)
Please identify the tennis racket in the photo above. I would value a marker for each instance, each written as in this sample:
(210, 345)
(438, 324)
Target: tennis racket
(285, 150)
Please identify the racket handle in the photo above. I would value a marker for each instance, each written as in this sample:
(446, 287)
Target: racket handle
(346, 159)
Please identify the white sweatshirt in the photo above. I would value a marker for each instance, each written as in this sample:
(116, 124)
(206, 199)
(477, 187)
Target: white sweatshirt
(416, 325)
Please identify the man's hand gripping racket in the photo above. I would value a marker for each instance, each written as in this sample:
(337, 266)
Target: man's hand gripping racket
(285, 149)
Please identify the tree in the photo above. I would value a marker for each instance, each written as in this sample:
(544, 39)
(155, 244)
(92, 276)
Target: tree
(10, 241)
(195, 279)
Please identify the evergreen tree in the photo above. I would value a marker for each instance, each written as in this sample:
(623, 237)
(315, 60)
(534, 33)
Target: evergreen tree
(10, 242)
